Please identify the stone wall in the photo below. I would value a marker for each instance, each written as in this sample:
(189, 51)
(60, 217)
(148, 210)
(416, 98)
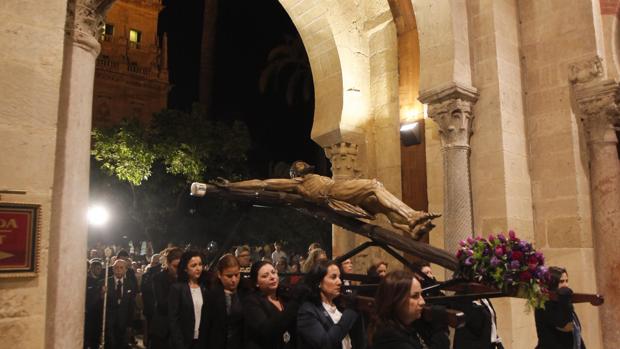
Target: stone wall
(557, 153)
(31, 35)
(499, 165)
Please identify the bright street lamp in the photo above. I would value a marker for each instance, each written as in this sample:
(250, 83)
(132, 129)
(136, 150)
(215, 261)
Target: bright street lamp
(98, 215)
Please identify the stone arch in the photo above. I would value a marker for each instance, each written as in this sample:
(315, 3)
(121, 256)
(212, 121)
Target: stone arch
(310, 18)
(341, 104)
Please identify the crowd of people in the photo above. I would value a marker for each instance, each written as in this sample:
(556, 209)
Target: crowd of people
(273, 301)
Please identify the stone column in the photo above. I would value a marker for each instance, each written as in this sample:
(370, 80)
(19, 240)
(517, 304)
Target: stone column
(67, 270)
(343, 157)
(451, 109)
(599, 106)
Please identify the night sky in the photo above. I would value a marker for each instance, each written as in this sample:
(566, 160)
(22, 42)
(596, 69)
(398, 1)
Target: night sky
(245, 36)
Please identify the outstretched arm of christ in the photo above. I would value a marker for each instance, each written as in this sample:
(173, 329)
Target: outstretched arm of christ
(275, 184)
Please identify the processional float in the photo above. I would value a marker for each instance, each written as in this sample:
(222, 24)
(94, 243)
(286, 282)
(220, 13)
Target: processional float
(353, 205)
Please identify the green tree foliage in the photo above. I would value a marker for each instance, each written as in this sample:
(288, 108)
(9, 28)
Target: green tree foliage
(124, 152)
(147, 171)
(187, 144)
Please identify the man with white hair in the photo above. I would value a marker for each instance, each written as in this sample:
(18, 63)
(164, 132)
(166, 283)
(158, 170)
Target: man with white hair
(120, 306)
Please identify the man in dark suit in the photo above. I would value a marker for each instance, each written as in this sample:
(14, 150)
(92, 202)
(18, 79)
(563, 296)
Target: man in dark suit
(120, 307)
(148, 295)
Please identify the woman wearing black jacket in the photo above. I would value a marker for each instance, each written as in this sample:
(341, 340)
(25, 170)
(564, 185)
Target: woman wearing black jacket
(270, 321)
(557, 325)
(320, 324)
(186, 313)
(398, 308)
(159, 330)
(225, 318)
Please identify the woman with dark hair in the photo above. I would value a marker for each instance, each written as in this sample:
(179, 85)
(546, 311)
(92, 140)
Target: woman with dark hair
(320, 324)
(557, 325)
(270, 320)
(225, 319)
(398, 308)
(186, 312)
(159, 331)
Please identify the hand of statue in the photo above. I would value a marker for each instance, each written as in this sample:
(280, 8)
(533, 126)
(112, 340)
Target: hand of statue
(221, 182)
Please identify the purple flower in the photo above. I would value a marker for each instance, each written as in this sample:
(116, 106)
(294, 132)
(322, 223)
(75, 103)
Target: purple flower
(470, 240)
(462, 243)
(501, 237)
(543, 272)
(469, 261)
(495, 261)
(540, 272)
(491, 238)
(469, 252)
(515, 265)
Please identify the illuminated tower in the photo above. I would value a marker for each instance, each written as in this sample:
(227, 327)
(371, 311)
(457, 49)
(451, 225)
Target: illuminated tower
(131, 78)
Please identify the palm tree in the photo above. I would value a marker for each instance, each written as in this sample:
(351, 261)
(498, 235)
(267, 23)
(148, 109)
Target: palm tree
(288, 73)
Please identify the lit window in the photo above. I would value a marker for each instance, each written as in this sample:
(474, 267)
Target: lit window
(135, 36)
(108, 32)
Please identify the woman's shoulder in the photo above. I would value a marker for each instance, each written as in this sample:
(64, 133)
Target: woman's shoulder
(254, 298)
(179, 285)
(308, 307)
(392, 337)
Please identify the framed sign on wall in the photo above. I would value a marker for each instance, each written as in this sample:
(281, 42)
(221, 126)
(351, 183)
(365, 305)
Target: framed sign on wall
(19, 239)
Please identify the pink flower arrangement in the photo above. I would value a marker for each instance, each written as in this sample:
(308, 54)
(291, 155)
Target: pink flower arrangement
(507, 263)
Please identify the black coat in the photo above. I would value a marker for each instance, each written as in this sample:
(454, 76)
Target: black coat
(220, 324)
(93, 316)
(159, 329)
(181, 316)
(477, 330)
(549, 319)
(265, 325)
(317, 330)
(393, 337)
(148, 294)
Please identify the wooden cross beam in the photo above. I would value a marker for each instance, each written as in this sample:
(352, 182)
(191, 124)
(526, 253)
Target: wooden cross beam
(374, 232)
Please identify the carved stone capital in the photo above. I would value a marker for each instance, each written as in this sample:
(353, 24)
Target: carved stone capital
(586, 71)
(599, 110)
(84, 21)
(343, 157)
(454, 118)
(451, 109)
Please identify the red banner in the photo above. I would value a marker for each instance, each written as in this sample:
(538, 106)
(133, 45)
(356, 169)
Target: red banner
(18, 235)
